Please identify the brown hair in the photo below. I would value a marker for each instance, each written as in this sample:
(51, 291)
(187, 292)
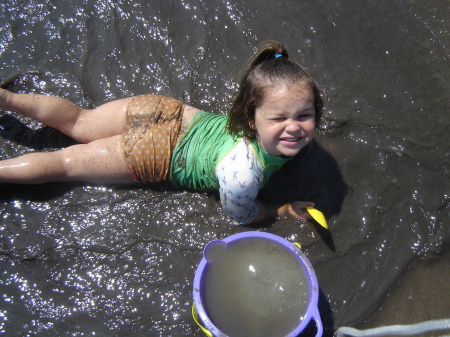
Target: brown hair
(269, 67)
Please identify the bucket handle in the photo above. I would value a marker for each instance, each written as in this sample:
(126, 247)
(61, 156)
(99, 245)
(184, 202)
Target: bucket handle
(319, 326)
(316, 314)
(197, 320)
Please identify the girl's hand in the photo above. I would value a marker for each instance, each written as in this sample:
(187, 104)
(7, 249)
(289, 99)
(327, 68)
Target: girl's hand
(296, 209)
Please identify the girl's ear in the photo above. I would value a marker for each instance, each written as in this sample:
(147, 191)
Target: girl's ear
(251, 124)
(251, 117)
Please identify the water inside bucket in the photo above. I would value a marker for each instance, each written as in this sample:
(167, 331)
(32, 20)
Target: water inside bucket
(254, 287)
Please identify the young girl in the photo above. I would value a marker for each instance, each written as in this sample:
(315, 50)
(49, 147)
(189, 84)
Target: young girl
(152, 138)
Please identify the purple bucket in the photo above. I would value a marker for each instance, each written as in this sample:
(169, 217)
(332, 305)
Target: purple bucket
(255, 284)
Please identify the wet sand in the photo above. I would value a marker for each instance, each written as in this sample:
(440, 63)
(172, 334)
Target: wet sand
(82, 259)
(421, 295)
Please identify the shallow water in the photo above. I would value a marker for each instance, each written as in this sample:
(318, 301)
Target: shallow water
(81, 260)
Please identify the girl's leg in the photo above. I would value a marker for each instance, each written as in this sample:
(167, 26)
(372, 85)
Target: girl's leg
(83, 125)
(99, 162)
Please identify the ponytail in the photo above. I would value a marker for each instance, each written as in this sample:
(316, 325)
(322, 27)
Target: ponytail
(268, 51)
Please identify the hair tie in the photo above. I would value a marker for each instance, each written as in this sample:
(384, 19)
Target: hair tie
(278, 55)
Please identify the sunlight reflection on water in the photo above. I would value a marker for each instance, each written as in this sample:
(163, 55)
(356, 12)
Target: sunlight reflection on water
(87, 259)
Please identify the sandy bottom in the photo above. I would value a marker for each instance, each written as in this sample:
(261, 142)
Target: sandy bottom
(419, 296)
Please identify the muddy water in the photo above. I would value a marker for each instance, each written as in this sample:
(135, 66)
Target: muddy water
(254, 287)
(82, 260)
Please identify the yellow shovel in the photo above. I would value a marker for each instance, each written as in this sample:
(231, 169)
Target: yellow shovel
(318, 216)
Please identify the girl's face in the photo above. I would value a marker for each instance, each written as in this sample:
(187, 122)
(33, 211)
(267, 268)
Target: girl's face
(285, 121)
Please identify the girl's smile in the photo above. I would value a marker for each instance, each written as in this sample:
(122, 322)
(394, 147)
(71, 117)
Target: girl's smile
(285, 121)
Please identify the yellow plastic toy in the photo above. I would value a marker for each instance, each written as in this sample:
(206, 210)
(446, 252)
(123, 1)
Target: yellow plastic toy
(318, 216)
